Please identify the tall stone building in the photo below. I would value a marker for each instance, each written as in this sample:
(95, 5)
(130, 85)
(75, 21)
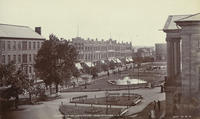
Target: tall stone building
(160, 51)
(20, 44)
(183, 65)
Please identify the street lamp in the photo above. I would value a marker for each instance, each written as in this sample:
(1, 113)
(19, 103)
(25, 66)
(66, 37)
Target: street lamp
(128, 83)
(138, 65)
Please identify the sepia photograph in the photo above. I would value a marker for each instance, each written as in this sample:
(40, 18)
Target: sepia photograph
(99, 59)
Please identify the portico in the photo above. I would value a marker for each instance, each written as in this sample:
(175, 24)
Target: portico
(183, 64)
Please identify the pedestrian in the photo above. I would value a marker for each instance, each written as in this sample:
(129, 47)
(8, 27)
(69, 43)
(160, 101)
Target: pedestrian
(149, 114)
(153, 116)
(154, 106)
(158, 105)
(108, 73)
(161, 88)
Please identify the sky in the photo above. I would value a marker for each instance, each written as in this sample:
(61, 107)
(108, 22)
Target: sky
(136, 21)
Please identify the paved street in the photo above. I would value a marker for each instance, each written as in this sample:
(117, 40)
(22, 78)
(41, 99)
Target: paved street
(49, 110)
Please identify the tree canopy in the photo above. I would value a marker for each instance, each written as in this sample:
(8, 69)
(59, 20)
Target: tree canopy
(14, 78)
(55, 61)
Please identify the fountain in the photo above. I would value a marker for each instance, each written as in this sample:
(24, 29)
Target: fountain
(127, 81)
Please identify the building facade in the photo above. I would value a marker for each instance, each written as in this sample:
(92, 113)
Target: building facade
(183, 65)
(160, 52)
(145, 52)
(20, 44)
(93, 50)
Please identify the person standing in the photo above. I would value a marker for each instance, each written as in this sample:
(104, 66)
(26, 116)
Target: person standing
(154, 106)
(158, 105)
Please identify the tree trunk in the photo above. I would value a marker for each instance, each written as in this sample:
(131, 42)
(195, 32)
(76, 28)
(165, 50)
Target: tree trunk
(50, 89)
(56, 88)
(30, 97)
(16, 101)
(77, 79)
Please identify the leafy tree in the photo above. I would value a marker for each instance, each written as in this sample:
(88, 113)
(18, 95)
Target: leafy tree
(93, 72)
(55, 60)
(76, 73)
(105, 67)
(112, 65)
(16, 79)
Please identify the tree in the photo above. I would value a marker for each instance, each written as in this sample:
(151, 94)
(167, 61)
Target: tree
(76, 73)
(105, 67)
(55, 60)
(16, 79)
(112, 65)
(93, 72)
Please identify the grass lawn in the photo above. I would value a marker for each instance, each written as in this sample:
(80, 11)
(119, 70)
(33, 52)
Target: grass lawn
(102, 84)
(111, 100)
(76, 111)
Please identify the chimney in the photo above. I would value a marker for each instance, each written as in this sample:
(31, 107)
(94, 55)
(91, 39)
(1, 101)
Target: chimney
(38, 30)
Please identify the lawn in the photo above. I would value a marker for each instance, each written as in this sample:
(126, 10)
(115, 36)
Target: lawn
(111, 100)
(75, 112)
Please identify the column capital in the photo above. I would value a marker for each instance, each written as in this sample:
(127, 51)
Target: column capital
(171, 39)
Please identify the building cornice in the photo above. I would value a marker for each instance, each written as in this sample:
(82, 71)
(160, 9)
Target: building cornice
(22, 38)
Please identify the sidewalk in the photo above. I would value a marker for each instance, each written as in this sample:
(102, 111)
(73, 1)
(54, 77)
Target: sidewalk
(144, 114)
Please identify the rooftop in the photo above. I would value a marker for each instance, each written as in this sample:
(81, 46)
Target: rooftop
(194, 17)
(170, 23)
(17, 31)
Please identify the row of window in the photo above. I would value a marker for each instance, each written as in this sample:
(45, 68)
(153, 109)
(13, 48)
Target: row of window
(24, 58)
(100, 56)
(102, 48)
(20, 45)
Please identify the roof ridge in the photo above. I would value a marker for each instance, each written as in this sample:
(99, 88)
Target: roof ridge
(188, 17)
(13, 25)
(181, 15)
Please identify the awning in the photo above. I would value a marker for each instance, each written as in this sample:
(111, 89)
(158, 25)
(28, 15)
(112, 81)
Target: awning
(102, 61)
(89, 64)
(118, 61)
(112, 59)
(78, 66)
(127, 59)
(130, 59)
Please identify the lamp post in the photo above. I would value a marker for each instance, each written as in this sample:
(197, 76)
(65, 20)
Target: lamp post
(138, 65)
(128, 83)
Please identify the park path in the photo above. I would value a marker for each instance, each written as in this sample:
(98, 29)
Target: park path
(49, 109)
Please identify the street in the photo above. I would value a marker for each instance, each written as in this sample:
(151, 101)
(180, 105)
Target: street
(49, 109)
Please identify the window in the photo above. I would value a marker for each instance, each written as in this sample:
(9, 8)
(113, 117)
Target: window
(38, 45)
(14, 58)
(19, 45)
(29, 45)
(34, 57)
(30, 58)
(24, 58)
(34, 45)
(14, 45)
(19, 58)
(8, 45)
(4, 59)
(3, 45)
(30, 69)
(9, 59)
(24, 45)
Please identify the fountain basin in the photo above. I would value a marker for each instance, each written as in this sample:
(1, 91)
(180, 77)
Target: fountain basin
(127, 81)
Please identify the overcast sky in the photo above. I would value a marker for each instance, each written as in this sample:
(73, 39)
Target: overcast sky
(138, 21)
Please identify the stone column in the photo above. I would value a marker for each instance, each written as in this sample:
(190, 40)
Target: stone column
(173, 70)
